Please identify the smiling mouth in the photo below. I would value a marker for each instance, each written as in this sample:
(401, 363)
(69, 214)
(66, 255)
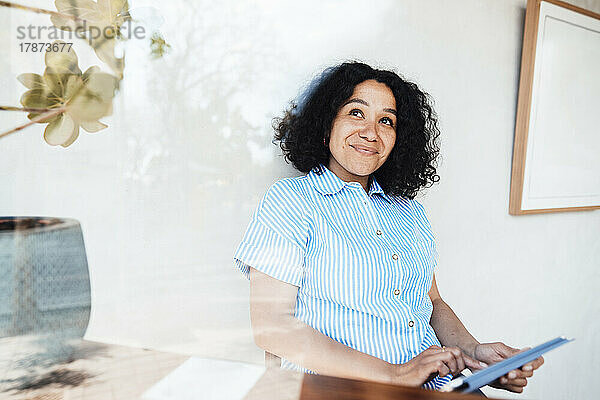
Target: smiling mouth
(363, 151)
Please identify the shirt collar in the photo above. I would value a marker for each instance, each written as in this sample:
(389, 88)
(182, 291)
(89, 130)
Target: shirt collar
(330, 183)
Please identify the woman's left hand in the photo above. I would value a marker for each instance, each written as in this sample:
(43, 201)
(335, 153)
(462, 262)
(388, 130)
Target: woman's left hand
(516, 379)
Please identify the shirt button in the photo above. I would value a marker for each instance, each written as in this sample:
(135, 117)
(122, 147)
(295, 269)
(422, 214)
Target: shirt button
(397, 292)
(411, 323)
(395, 256)
(378, 232)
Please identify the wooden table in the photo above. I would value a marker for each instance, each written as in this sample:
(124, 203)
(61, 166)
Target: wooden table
(99, 371)
(289, 385)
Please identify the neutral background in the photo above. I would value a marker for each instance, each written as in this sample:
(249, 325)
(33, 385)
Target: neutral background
(166, 192)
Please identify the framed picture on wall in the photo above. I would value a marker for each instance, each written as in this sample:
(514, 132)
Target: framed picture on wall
(556, 155)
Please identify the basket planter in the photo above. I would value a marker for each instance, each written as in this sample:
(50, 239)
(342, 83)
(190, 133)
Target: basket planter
(44, 278)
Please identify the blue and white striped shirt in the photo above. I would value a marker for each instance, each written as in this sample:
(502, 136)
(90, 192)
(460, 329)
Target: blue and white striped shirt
(363, 263)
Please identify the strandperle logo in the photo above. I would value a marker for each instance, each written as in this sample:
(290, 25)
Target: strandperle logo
(82, 31)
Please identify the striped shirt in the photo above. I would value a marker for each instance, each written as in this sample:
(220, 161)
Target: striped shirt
(363, 263)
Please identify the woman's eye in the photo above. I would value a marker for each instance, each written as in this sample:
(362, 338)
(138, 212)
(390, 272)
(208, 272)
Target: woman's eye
(389, 120)
(356, 111)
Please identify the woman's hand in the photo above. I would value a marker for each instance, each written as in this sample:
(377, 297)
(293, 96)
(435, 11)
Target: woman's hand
(515, 380)
(431, 362)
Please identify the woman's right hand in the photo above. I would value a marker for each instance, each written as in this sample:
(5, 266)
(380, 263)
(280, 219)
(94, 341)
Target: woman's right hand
(431, 362)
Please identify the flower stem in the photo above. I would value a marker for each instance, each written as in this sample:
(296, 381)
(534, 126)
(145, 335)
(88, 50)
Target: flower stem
(39, 118)
(26, 109)
(10, 4)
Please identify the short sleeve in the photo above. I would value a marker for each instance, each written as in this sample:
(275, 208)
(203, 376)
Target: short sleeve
(275, 240)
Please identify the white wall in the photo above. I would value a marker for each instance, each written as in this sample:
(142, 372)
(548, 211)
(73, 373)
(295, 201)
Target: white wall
(165, 194)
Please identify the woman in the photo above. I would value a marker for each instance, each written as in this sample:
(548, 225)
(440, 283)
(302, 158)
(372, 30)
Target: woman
(341, 260)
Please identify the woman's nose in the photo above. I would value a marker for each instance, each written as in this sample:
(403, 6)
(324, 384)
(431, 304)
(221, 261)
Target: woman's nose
(369, 132)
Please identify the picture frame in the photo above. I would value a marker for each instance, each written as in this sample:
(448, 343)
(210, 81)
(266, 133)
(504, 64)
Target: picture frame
(556, 153)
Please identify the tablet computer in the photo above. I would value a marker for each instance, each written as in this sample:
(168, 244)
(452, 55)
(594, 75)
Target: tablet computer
(488, 375)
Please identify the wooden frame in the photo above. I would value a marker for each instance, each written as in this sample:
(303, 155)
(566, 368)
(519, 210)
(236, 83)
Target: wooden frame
(519, 182)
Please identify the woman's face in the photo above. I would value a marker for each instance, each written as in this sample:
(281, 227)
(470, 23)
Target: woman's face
(363, 132)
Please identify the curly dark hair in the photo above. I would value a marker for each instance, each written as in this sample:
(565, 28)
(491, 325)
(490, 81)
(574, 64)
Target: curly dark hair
(412, 162)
